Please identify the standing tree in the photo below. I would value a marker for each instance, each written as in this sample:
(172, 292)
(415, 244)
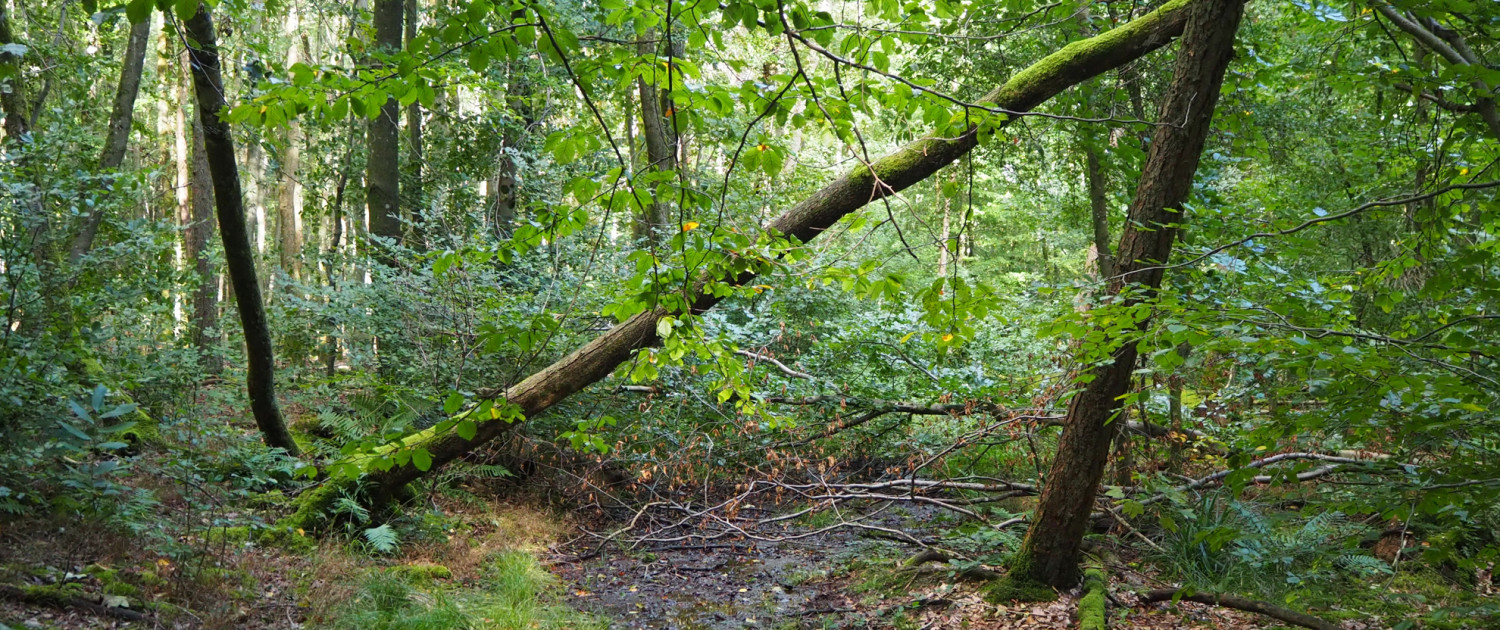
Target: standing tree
(383, 175)
(119, 128)
(239, 257)
(1049, 557)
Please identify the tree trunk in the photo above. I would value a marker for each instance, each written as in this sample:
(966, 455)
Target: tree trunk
(1049, 556)
(205, 316)
(119, 129)
(503, 185)
(289, 193)
(661, 149)
(12, 93)
(1099, 210)
(383, 174)
(218, 144)
(414, 194)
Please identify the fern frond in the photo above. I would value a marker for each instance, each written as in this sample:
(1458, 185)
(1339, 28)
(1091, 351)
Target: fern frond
(383, 539)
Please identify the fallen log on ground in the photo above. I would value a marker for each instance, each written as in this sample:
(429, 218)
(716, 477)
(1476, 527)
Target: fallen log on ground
(1240, 603)
(1073, 64)
(55, 598)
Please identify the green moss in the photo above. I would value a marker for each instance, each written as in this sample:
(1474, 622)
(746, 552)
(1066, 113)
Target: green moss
(1016, 588)
(293, 540)
(421, 572)
(236, 535)
(1091, 610)
(269, 500)
(145, 430)
(313, 506)
(111, 582)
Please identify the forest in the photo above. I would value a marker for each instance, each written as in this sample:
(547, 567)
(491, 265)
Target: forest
(908, 314)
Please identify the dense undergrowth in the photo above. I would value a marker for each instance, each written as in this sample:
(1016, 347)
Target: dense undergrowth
(1309, 425)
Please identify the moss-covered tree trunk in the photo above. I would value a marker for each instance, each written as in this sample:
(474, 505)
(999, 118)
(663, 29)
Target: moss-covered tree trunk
(805, 221)
(239, 257)
(1049, 557)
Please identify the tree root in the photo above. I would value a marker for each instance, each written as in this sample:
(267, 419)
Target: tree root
(1241, 603)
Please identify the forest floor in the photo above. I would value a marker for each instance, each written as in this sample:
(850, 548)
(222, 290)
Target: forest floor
(834, 579)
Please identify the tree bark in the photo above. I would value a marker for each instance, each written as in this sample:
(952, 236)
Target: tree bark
(12, 93)
(239, 258)
(661, 149)
(383, 174)
(414, 193)
(1049, 556)
(205, 316)
(119, 129)
(805, 221)
(1099, 210)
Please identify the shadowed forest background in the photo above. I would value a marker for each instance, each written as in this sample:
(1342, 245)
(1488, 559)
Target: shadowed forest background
(756, 313)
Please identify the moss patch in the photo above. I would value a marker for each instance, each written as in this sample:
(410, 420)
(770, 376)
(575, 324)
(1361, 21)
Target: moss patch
(1091, 610)
(1015, 588)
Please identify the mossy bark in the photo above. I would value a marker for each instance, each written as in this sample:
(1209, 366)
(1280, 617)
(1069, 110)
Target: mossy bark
(1075, 63)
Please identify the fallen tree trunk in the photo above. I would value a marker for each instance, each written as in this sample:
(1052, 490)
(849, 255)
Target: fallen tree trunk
(1241, 603)
(1075, 63)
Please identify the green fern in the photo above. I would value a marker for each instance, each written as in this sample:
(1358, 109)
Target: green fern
(383, 539)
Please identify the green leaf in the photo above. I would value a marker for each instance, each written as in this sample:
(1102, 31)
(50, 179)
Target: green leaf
(185, 9)
(453, 403)
(138, 11)
(466, 429)
(421, 459)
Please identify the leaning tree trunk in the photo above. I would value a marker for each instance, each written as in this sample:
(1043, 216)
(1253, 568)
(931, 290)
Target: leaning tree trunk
(383, 175)
(885, 177)
(1049, 556)
(119, 129)
(239, 257)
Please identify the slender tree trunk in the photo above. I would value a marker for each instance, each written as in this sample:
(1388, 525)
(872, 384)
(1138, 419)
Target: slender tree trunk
(205, 316)
(1049, 556)
(119, 129)
(503, 185)
(288, 205)
(804, 221)
(414, 193)
(661, 149)
(1099, 210)
(946, 233)
(383, 175)
(218, 143)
